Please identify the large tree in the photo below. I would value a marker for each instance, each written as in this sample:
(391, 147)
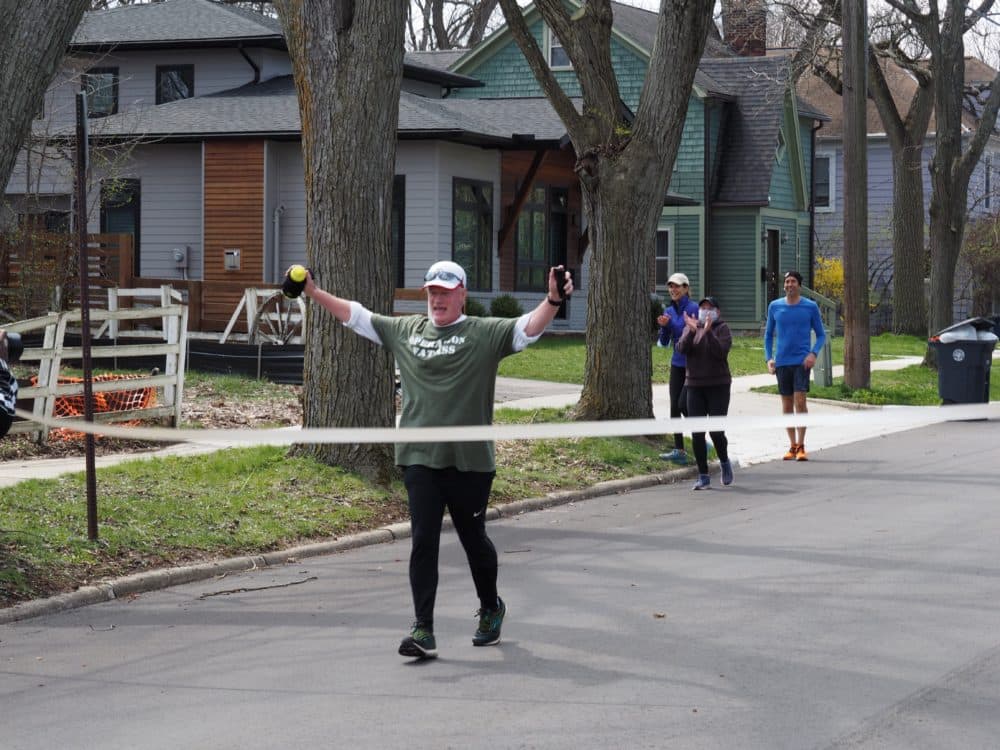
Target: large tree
(623, 169)
(955, 154)
(33, 39)
(347, 58)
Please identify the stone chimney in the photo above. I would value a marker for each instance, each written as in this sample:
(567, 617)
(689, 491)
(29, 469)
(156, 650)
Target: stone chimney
(744, 27)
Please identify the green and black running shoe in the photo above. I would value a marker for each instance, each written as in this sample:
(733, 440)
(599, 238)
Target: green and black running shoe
(419, 644)
(490, 622)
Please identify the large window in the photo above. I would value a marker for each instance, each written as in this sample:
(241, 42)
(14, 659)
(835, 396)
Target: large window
(101, 85)
(174, 82)
(823, 183)
(664, 248)
(472, 231)
(542, 230)
(398, 230)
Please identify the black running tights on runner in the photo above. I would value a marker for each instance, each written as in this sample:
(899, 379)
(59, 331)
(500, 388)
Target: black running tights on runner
(708, 401)
(678, 406)
(465, 495)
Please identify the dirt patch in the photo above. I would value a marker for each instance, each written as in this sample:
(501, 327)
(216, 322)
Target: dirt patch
(204, 407)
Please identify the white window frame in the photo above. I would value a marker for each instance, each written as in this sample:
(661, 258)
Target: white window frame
(667, 229)
(832, 158)
(551, 42)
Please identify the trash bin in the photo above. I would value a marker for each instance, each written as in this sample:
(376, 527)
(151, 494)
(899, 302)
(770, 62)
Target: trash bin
(964, 354)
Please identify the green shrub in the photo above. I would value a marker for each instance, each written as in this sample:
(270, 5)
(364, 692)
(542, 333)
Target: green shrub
(505, 306)
(474, 308)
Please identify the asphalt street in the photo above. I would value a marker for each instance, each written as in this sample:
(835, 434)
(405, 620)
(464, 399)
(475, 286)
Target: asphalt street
(849, 602)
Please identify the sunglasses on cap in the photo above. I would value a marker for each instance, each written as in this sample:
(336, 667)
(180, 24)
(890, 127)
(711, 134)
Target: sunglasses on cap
(446, 276)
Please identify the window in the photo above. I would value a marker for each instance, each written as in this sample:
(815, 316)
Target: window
(101, 85)
(823, 183)
(558, 59)
(174, 82)
(779, 152)
(398, 221)
(664, 248)
(56, 222)
(541, 237)
(472, 231)
(120, 213)
(988, 177)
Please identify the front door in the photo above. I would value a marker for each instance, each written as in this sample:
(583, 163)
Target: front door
(772, 273)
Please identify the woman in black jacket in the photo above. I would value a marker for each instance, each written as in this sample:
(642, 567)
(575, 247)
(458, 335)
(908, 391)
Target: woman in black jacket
(705, 343)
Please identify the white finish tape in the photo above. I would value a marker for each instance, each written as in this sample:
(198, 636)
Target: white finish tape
(894, 416)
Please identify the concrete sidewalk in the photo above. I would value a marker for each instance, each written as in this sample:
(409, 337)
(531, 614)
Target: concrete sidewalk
(746, 447)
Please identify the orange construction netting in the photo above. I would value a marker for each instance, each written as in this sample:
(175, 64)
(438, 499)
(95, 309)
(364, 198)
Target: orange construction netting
(104, 401)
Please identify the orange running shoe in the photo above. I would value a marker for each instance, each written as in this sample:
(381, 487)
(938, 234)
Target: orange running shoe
(793, 452)
(802, 455)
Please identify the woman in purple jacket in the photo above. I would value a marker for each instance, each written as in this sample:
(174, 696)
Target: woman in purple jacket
(706, 342)
(671, 327)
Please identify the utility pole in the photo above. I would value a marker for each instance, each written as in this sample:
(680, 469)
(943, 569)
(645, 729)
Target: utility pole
(857, 323)
(82, 158)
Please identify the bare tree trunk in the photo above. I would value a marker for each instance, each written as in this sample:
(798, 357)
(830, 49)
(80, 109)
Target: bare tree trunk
(348, 68)
(857, 325)
(909, 307)
(623, 172)
(33, 39)
(622, 230)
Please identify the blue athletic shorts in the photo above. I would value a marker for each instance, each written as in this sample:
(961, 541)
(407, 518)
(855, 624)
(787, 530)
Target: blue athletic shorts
(792, 379)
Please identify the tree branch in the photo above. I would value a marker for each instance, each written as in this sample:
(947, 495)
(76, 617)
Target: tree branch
(987, 122)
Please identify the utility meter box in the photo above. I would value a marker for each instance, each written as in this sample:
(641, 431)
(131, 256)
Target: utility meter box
(231, 259)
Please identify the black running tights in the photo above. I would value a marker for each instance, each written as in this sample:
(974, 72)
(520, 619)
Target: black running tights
(465, 495)
(708, 401)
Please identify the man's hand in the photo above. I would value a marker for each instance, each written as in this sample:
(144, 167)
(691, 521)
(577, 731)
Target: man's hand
(691, 321)
(809, 361)
(770, 366)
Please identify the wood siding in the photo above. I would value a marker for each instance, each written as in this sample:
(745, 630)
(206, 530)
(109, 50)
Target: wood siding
(234, 218)
(556, 171)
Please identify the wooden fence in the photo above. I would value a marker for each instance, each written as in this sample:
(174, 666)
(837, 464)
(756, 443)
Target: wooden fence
(54, 352)
(39, 272)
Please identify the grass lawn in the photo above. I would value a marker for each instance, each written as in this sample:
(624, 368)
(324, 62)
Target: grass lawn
(561, 359)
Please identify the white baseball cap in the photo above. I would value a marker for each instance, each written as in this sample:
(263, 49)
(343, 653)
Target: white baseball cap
(445, 273)
(679, 279)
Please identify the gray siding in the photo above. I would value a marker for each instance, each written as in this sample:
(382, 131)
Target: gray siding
(170, 177)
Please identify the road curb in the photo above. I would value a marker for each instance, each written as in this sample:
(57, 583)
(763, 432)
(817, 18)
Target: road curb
(154, 580)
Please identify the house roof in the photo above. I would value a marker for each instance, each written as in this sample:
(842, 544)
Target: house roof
(439, 59)
(271, 109)
(753, 126)
(175, 23)
(429, 68)
(903, 87)
(640, 26)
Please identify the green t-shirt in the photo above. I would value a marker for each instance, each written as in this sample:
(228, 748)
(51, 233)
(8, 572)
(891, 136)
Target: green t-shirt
(449, 378)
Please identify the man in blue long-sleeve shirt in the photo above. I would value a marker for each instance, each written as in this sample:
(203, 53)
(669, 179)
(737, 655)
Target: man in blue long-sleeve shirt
(794, 318)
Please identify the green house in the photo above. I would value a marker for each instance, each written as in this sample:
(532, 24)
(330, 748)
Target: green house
(738, 209)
